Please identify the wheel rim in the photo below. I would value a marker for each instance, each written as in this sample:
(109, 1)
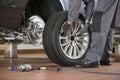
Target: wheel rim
(75, 44)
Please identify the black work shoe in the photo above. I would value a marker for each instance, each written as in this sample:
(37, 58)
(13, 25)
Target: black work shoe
(66, 29)
(106, 63)
(88, 64)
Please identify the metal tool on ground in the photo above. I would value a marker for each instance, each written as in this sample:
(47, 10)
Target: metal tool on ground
(29, 67)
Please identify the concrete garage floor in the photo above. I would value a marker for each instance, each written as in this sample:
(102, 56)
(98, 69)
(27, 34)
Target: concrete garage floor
(40, 59)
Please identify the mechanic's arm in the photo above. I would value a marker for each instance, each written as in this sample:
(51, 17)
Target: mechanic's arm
(89, 9)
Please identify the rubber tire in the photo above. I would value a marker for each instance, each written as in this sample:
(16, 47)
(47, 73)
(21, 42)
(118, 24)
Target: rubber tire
(51, 40)
(47, 38)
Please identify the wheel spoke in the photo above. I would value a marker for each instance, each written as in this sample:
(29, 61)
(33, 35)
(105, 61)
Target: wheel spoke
(70, 51)
(63, 38)
(77, 49)
(81, 51)
(82, 41)
(76, 28)
(81, 46)
(74, 51)
(66, 48)
(84, 35)
(66, 43)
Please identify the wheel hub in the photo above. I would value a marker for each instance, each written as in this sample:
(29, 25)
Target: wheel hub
(72, 38)
(35, 30)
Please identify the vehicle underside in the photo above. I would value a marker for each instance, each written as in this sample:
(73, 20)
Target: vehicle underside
(29, 13)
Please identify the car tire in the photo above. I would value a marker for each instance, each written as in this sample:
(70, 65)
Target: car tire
(53, 42)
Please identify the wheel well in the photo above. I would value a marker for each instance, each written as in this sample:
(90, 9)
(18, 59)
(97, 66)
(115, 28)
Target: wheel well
(43, 8)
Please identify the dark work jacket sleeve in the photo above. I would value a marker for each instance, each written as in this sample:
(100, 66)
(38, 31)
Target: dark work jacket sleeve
(89, 8)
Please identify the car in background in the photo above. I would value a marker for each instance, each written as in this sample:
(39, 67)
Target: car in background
(40, 22)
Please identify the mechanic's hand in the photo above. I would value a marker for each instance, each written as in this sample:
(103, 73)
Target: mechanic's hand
(85, 28)
(66, 29)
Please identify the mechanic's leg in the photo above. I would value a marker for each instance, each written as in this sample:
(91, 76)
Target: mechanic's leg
(102, 20)
(97, 46)
(93, 56)
(107, 54)
(101, 28)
